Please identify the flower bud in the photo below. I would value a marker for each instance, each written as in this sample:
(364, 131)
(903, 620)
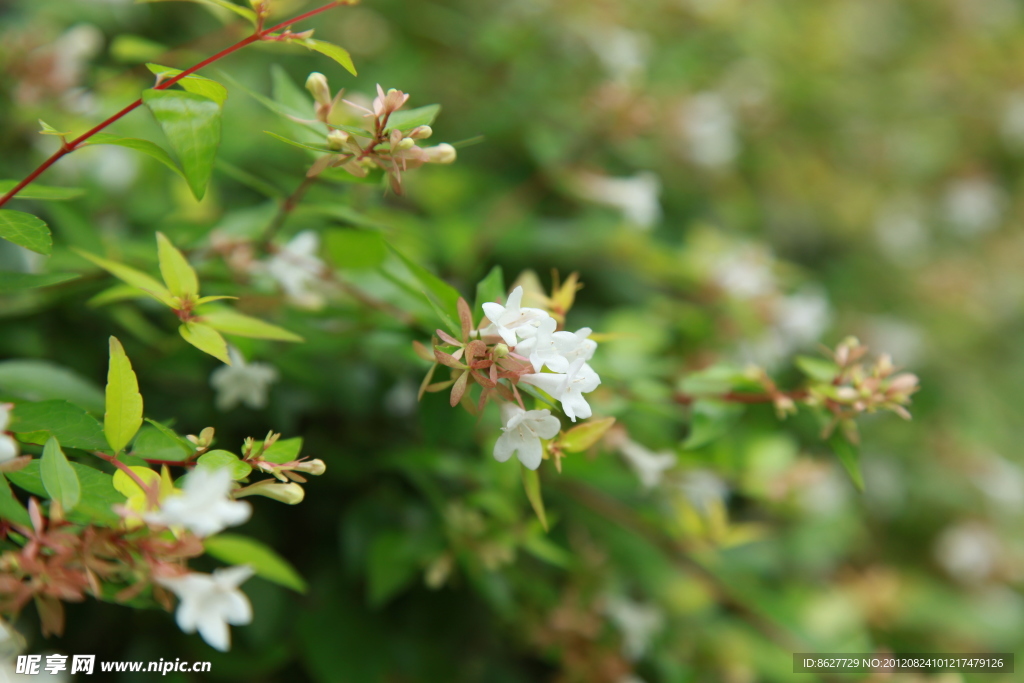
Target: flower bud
(291, 494)
(315, 467)
(336, 139)
(407, 143)
(204, 440)
(421, 132)
(501, 350)
(317, 86)
(441, 154)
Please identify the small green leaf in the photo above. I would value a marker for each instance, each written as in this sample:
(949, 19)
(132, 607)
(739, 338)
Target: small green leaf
(338, 54)
(411, 118)
(179, 276)
(131, 276)
(98, 495)
(819, 369)
(59, 479)
(73, 427)
(193, 83)
(131, 49)
(44, 192)
(40, 380)
(711, 421)
(182, 443)
(124, 402)
(301, 145)
(531, 484)
(11, 508)
(215, 460)
(206, 339)
(145, 146)
(284, 450)
(582, 437)
(490, 289)
(154, 443)
(235, 549)
(355, 248)
(26, 230)
(849, 455)
(192, 124)
(230, 322)
(442, 296)
(14, 282)
(47, 129)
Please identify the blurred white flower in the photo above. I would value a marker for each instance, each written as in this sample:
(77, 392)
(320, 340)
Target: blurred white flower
(203, 507)
(242, 382)
(745, 273)
(1001, 481)
(622, 51)
(968, 551)
(209, 602)
(522, 433)
(635, 197)
(568, 388)
(648, 465)
(902, 233)
(400, 400)
(8, 446)
(638, 623)
(512, 319)
(799, 320)
(298, 271)
(905, 342)
(703, 488)
(973, 206)
(708, 128)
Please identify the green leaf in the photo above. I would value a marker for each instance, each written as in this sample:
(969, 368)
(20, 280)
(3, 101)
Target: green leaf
(712, 420)
(15, 282)
(40, 380)
(154, 443)
(243, 12)
(206, 339)
(490, 289)
(59, 478)
(819, 369)
(301, 145)
(98, 495)
(45, 192)
(582, 437)
(73, 427)
(193, 83)
(441, 296)
(133, 277)
(47, 129)
(182, 443)
(179, 276)
(849, 455)
(355, 248)
(235, 549)
(230, 322)
(25, 230)
(531, 484)
(338, 54)
(192, 124)
(124, 402)
(130, 49)
(145, 146)
(392, 564)
(411, 118)
(717, 379)
(284, 450)
(10, 507)
(215, 460)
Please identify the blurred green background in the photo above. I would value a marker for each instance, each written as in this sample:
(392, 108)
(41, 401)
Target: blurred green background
(734, 181)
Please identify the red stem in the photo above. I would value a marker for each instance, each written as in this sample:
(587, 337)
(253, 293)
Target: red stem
(124, 468)
(68, 147)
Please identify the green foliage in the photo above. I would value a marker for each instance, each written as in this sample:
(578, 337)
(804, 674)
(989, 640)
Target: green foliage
(11, 508)
(490, 289)
(218, 459)
(14, 282)
(335, 52)
(123, 415)
(206, 339)
(43, 192)
(71, 425)
(177, 273)
(40, 380)
(235, 549)
(25, 230)
(192, 83)
(531, 484)
(355, 248)
(192, 124)
(98, 495)
(59, 478)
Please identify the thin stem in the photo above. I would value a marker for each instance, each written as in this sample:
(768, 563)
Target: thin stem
(287, 206)
(124, 468)
(69, 147)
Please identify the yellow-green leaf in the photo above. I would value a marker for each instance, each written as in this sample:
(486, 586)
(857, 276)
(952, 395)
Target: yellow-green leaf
(531, 484)
(230, 322)
(124, 402)
(335, 52)
(135, 278)
(193, 83)
(179, 276)
(583, 436)
(206, 339)
(58, 476)
(235, 549)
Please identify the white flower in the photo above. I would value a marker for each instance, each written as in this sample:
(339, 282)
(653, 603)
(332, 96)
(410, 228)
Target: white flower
(709, 129)
(522, 432)
(298, 270)
(745, 273)
(8, 446)
(510, 319)
(648, 466)
(974, 206)
(569, 387)
(557, 350)
(703, 488)
(203, 507)
(638, 623)
(209, 602)
(242, 382)
(968, 551)
(635, 197)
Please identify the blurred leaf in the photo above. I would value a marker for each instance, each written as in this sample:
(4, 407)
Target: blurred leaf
(323, 149)
(133, 277)
(178, 275)
(194, 84)
(411, 118)
(206, 339)
(235, 549)
(393, 562)
(192, 124)
(131, 49)
(10, 507)
(45, 192)
(98, 495)
(717, 379)
(442, 297)
(72, 426)
(338, 54)
(230, 322)
(14, 282)
(355, 248)
(145, 146)
(243, 12)
(59, 478)
(123, 415)
(40, 380)
(712, 419)
(490, 289)
(582, 437)
(25, 230)
(531, 484)
(217, 459)
(819, 369)
(849, 455)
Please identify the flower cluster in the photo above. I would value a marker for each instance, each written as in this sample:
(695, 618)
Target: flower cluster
(8, 446)
(386, 144)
